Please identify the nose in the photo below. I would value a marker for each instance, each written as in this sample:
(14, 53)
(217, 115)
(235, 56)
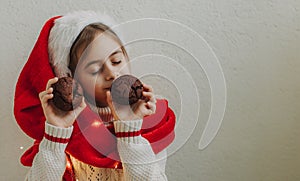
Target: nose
(111, 72)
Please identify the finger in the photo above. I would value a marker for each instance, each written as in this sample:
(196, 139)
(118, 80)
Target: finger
(111, 106)
(41, 94)
(82, 104)
(146, 108)
(151, 106)
(109, 99)
(50, 82)
(80, 107)
(147, 112)
(46, 97)
(48, 91)
(147, 88)
(149, 96)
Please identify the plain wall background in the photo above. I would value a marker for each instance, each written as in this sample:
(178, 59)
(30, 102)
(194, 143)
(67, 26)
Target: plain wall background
(257, 43)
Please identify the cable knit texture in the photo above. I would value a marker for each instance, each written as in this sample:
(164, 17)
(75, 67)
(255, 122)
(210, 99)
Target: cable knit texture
(50, 162)
(138, 159)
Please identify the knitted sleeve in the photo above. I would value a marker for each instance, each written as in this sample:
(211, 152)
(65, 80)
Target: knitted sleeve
(50, 162)
(138, 159)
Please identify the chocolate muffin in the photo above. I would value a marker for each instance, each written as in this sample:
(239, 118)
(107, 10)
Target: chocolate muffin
(67, 94)
(126, 89)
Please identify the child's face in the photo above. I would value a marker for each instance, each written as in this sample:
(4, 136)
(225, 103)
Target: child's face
(101, 63)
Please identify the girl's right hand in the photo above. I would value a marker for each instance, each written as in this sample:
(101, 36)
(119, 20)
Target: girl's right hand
(54, 116)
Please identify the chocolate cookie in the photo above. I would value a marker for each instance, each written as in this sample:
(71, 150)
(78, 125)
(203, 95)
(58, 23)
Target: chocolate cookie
(126, 89)
(67, 94)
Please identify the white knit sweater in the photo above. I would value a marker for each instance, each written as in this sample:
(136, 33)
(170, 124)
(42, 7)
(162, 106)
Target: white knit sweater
(138, 160)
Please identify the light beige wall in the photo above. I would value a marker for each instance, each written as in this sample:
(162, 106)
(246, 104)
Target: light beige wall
(257, 44)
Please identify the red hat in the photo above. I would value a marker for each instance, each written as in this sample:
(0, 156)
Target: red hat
(57, 36)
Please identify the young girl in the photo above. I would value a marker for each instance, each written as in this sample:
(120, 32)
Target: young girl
(99, 140)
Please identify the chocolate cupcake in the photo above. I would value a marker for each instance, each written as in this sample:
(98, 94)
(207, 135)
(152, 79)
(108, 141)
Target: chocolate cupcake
(67, 94)
(126, 90)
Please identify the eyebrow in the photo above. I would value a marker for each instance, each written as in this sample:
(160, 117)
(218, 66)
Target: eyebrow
(97, 61)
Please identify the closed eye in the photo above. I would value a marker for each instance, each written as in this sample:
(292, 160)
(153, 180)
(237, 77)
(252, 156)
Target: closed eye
(115, 63)
(95, 73)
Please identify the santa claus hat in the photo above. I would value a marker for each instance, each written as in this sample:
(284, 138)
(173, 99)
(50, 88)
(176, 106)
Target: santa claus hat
(48, 58)
(64, 33)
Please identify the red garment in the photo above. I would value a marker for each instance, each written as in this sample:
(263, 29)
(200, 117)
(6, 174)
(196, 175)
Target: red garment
(92, 145)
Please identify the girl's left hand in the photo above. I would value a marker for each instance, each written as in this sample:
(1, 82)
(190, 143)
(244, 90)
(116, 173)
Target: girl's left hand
(138, 110)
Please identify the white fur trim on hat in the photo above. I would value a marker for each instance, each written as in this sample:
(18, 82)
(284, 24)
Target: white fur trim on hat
(65, 31)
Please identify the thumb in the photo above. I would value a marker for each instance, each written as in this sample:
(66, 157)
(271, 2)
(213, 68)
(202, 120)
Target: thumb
(111, 106)
(80, 107)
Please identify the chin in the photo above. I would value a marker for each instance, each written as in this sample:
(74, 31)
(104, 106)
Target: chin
(93, 101)
(98, 104)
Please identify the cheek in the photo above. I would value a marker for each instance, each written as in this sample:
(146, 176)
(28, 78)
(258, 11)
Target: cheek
(87, 82)
(94, 90)
(98, 89)
(88, 87)
(98, 85)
